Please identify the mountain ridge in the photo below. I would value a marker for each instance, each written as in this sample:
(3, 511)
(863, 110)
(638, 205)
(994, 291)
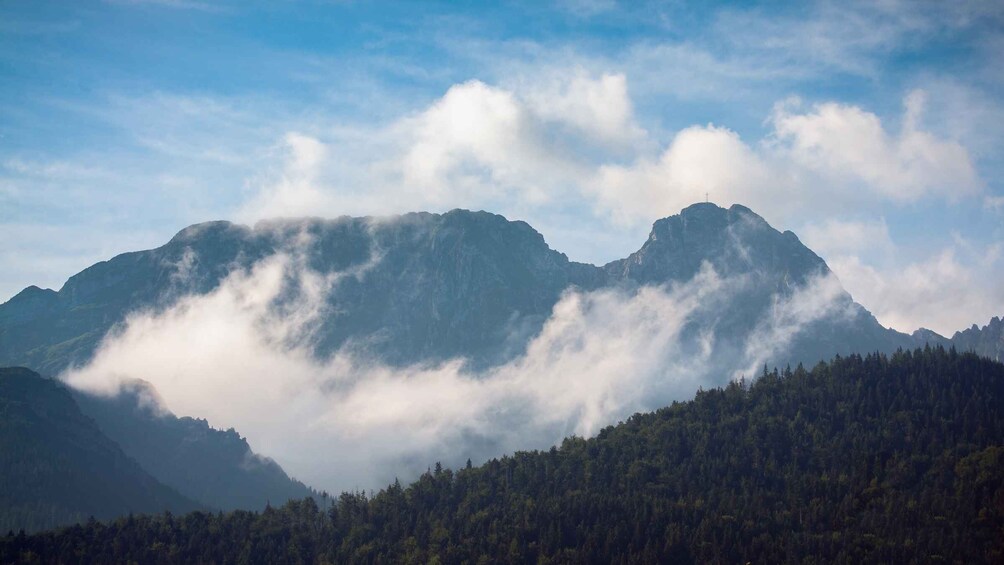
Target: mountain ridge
(442, 268)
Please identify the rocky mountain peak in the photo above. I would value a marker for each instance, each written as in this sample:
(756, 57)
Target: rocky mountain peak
(734, 241)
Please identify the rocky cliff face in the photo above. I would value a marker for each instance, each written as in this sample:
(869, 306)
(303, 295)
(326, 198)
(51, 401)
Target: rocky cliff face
(770, 267)
(463, 284)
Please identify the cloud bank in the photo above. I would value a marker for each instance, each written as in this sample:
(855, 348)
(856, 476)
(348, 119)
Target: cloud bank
(241, 356)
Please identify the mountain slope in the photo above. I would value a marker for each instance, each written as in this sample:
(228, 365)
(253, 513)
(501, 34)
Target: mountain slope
(58, 468)
(861, 460)
(215, 467)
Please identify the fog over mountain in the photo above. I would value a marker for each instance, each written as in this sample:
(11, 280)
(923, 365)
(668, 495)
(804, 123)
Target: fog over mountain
(354, 350)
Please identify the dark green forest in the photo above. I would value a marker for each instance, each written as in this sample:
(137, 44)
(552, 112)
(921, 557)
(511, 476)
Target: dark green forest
(894, 459)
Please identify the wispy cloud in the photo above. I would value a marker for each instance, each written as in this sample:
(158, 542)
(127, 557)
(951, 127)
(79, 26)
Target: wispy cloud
(846, 141)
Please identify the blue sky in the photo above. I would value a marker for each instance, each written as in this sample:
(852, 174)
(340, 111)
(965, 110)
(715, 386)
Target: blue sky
(872, 130)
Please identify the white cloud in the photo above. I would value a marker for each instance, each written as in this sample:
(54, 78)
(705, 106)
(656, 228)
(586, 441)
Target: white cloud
(847, 143)
(482, 146)
(597, 107)
(952, 289)
(487, 144)
(475, 141)
(832, 158)
(296, 189)
(700, 161)
(478, 146)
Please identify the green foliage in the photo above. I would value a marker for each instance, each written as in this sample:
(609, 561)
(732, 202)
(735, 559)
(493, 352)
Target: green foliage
(864, 459)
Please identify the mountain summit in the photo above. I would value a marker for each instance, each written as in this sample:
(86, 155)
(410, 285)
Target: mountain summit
(733, 241)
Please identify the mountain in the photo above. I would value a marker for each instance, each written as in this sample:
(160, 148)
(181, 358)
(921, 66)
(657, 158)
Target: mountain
(773, 266)
(931, 337)
(429, 287)
(215, 467)
(861, 460)
(987, 341)
(58, 468)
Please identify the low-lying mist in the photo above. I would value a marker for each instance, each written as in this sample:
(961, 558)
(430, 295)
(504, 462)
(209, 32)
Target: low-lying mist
(241, 356)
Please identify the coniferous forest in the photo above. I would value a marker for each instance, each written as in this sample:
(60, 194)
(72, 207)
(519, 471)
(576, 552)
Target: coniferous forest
(894, 459)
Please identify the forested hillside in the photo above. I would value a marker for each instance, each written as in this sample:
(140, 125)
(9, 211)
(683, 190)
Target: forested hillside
(57, 467)
(863, 459)
(215, 467)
